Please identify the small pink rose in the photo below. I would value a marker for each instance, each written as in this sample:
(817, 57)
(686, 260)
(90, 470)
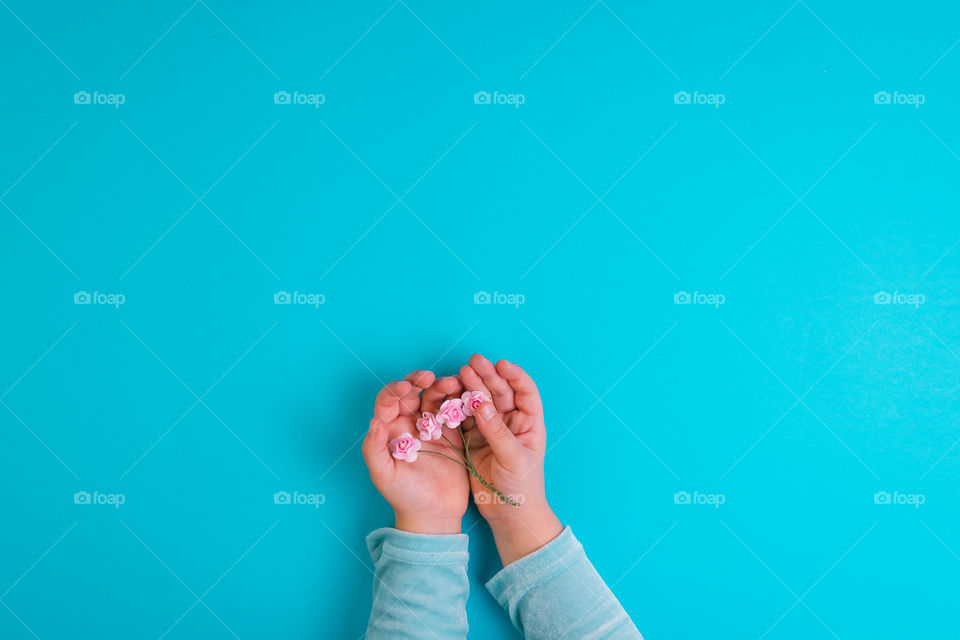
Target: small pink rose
(451, 413)
(405, 447)
(429, 427)
(472, 401)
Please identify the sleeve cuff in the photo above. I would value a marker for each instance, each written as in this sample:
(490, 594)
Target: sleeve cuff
(418, 548)
(511, 582)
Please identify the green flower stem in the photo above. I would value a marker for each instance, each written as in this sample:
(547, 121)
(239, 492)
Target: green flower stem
(437, 453)
(450, 442)
(466, 450)
(494, 489)
(476, 474)
(469, 466)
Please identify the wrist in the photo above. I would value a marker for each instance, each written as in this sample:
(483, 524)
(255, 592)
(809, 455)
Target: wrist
(435, 525)
(521, 534)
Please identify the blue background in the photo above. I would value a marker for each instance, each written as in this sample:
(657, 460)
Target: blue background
(598, 199)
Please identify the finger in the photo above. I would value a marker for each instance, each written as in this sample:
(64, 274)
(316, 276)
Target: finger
(376, 453)
(500, 390)
(387, 405)
(419, 380)
(433, 397)
(526, 395)
(472, 381)
(508, 450)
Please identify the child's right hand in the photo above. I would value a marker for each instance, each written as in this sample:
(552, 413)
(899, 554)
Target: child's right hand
(507, 447)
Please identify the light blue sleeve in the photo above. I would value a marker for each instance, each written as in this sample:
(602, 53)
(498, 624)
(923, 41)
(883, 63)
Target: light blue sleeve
(555, 593)
(420, 586)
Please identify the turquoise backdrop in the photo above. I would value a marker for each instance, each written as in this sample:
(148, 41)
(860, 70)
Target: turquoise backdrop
(722, 237)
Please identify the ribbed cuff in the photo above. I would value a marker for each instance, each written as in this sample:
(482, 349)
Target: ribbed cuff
(511, 582)
(418, 548)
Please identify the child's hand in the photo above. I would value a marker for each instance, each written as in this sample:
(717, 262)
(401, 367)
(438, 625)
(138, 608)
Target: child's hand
(431, 494)
(507, 449)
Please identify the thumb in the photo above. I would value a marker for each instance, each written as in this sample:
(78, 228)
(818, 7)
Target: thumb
(504, 444)
(375, 452)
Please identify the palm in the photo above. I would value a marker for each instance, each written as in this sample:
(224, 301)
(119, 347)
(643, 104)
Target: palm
(432, 484)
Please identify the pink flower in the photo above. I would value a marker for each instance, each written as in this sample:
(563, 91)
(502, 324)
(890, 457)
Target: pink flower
(405, 447)
(429, 427)
(472, 401)
(451, 413)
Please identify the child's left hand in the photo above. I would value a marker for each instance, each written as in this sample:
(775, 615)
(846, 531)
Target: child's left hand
(430, 496)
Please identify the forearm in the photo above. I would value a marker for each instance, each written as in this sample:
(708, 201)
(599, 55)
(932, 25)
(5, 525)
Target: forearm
(555, 593)
(522, 532)
(420, 586)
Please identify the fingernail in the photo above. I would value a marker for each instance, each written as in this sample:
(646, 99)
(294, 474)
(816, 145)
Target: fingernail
(487, 411)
